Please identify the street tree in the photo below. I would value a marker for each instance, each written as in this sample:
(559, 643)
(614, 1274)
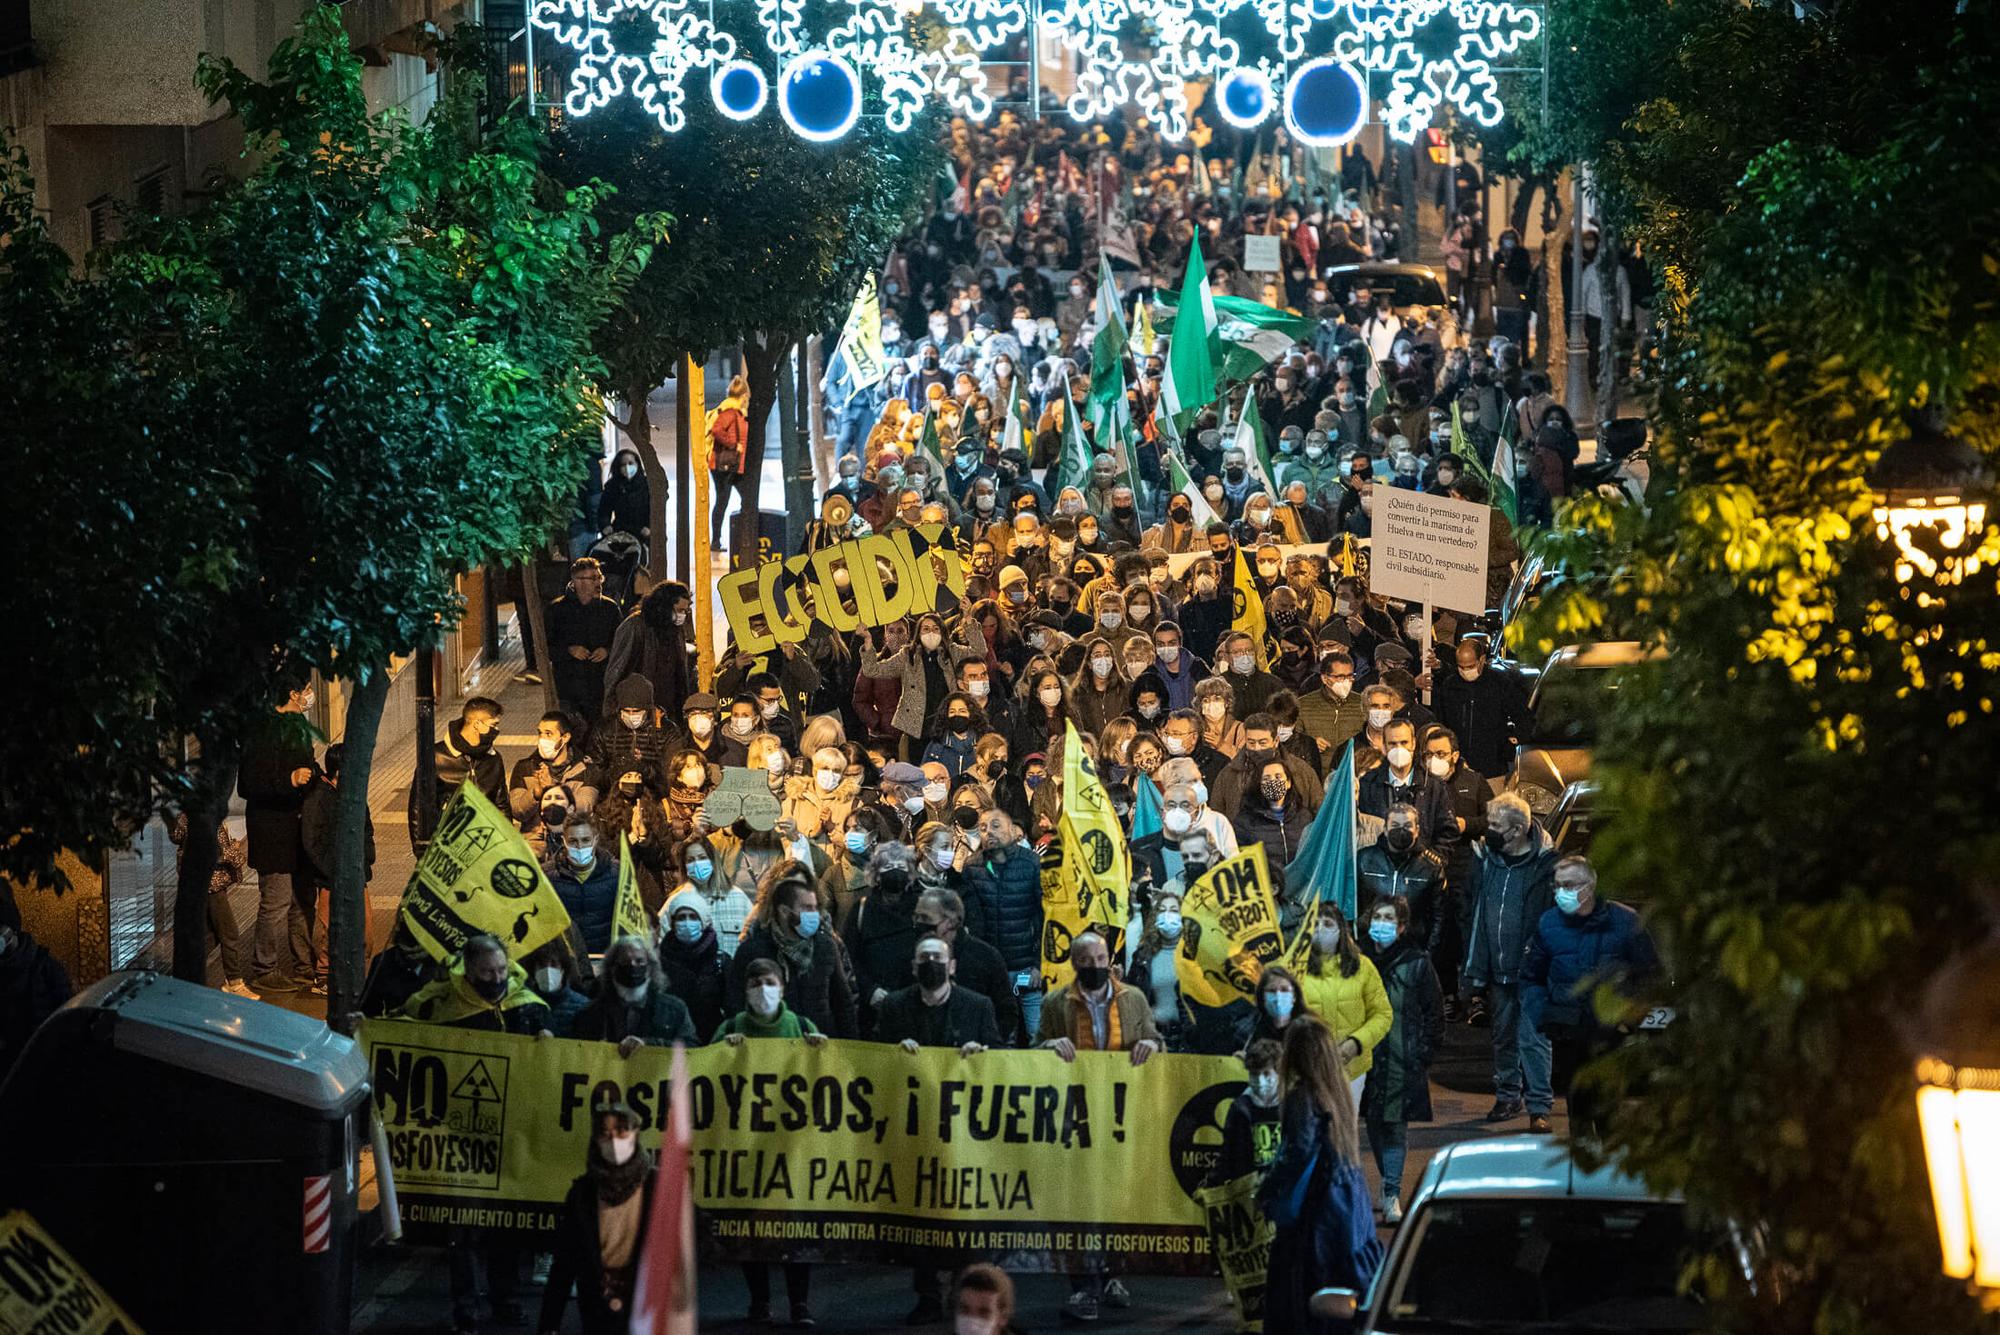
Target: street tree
(1824, 727)
(773, 234)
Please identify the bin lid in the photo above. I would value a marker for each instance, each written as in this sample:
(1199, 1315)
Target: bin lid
(230, 1039)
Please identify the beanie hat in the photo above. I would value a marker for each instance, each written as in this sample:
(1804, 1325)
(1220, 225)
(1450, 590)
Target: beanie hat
(635, 692)
(687, 897)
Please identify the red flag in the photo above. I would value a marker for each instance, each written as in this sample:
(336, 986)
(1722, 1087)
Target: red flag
(663, 1301)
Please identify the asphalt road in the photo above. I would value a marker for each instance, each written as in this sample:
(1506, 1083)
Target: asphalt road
(404, 1290)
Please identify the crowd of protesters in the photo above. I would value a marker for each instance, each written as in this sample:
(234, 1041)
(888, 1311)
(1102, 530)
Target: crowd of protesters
(917, 767)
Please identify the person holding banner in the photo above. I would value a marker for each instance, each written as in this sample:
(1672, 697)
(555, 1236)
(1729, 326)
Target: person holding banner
(633, 1007)
(786, 928)
(601, 1228)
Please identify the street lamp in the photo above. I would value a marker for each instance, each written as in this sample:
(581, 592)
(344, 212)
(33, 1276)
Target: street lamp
(1932, 483)
(1958, 1110)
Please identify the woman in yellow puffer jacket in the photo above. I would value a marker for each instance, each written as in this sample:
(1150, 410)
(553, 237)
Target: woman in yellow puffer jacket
(1341, 986)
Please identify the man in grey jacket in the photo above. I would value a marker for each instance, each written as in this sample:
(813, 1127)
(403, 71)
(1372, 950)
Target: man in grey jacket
(1513, 885)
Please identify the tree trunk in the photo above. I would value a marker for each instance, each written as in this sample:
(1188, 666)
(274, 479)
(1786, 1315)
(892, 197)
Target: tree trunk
(347, 917)
(538, 622)
(763, 359)
(207, 804)
(1608, 368)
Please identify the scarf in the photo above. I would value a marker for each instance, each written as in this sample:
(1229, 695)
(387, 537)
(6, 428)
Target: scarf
(1084, 1034)
(615, 1182)
(797, 950)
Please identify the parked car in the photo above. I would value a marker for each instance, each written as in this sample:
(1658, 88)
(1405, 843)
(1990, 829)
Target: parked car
(1574, 692)
(1513, 1235)
(1580, 813)
(1412, 284)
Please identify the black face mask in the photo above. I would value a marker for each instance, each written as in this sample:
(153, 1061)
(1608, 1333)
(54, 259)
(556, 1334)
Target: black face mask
(1235, 475)
(958, 723)
(965, 818)
(1090, 977)
(1061, 605)
(491, 988)
(631, 975)
(893, 882)
(931, 974)
(996, 769)
(1400, 840)
(555, 817)
(1496, 840)
(1180, 513)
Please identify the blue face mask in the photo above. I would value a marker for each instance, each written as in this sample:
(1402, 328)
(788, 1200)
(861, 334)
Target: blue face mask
(1278, 1005)
(700, 869)
(809, 923)
(583, 857)
(1569, 901)
(688, 930)
(1382, 933)
(857, 841)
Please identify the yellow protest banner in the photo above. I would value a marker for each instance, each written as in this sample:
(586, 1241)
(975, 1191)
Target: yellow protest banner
(628, 916)
(887, 576)
(1229, 931)
(479, 875)
(44, 1291)
(1240, 1236)
(848, 1151)
(1248, 613)
(1087, 871)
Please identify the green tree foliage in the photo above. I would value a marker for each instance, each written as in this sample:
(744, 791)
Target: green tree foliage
(376, 354)
(1805, 783)
(772, 236)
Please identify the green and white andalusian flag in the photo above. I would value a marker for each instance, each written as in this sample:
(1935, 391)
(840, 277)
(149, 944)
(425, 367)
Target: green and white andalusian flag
(1252, 440)
(1248, 336)
(1190, 381)
(1110, 413)
(1072, 465)
(1505, 499)
(1181, 481)
(1019, 431)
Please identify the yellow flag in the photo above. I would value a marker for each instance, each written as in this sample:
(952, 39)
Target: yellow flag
(1229, 931)
(1087, 873)
(479, 875)
(1249, 616)
(629, 917)
(1298, 950)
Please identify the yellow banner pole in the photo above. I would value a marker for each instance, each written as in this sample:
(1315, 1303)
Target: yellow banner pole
(696, 444)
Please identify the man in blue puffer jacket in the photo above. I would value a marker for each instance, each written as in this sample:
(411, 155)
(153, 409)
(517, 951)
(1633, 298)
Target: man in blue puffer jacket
(1513, 875)
(1582, 942)
(1003, 906)
(585, 876)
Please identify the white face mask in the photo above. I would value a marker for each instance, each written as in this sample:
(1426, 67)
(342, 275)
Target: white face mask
(619, 1149)
(1378, 719)
(944, 855)
(829, 779)
(978, 690)
(1242, 664)
(1112, 620)
(974, 1325)
(1439, 765)
(1413, 627)
(769, 708)
(775, 763)
(931, 640)
(1176, 744)
(1213, 710)
(701, 725)
(1050, 696)
(1170, 654)
(742, 726)
(765, 999)
(548, 978)
(1400, 757)
(1100, 667)
(632, 718)
(1285, 732)
(914, 804)
(548, 746)
(1177, 820)
(935, 792)
(1343, 688)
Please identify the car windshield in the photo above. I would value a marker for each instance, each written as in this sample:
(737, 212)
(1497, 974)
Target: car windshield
(1570, 702)
(1555, 1264)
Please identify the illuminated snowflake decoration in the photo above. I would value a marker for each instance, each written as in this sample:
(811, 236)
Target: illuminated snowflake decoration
(1416, 56)
(657, 80)
(1435, 51)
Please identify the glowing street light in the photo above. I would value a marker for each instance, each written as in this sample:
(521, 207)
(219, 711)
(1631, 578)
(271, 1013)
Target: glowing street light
(1931, 484)
(1958, 1110)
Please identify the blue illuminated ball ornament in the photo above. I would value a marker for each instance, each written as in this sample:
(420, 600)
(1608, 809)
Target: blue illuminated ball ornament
(739, 89)
(819, 95)
(1244, 98)
(1325, 103)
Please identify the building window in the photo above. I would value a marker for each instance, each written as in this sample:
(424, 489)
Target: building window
(103, 220)
(149, 193)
